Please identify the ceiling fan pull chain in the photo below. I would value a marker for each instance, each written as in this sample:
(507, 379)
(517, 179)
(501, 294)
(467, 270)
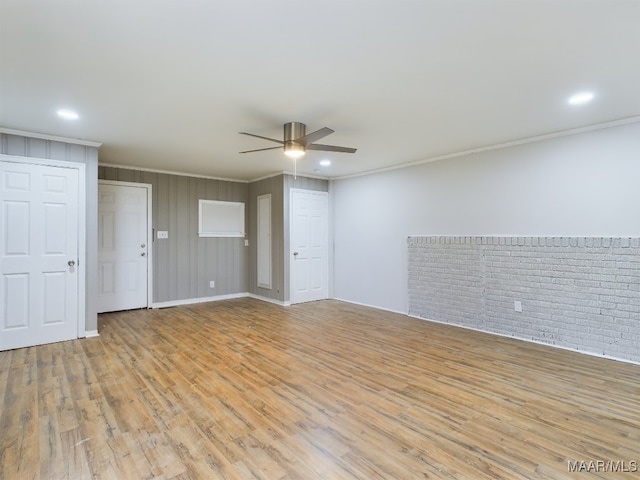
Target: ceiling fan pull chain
(295, 168)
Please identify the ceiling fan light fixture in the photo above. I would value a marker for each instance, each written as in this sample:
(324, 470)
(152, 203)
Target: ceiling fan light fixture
(293, 150)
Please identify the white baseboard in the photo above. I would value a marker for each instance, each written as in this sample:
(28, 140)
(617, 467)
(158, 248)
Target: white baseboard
(370, 306)
(529, 340)
(190, 301)
(91, 333)
(270, 300)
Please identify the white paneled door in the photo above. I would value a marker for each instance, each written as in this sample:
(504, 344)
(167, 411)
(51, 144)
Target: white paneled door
(123, 250)
(39, 248)
(308, 260)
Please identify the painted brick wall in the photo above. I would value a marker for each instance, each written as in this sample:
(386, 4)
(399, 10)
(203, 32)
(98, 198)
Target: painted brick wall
(576, 292)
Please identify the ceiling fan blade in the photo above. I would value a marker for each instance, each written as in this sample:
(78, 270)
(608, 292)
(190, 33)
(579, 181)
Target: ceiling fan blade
(260, 136)
(261, 149)
(313, 136)
(331, 148)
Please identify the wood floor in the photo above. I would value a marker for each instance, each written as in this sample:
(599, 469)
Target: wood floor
(325, 390)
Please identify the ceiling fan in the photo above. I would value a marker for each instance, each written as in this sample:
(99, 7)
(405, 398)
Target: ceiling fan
(296, 141)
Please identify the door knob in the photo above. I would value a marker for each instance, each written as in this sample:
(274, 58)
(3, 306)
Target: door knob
(71, 263)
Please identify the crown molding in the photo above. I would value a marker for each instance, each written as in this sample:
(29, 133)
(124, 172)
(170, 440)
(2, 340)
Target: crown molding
(53, 138)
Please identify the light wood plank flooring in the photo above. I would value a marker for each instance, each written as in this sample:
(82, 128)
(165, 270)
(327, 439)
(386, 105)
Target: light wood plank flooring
(325, 390)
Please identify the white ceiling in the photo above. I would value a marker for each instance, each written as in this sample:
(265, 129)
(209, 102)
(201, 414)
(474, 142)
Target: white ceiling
(167, 85)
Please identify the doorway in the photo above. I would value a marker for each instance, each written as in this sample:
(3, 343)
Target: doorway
(42, 251)
(308, 256)
(124, 246)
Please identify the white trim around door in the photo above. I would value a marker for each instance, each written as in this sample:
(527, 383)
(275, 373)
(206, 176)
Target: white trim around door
(149, 230)
(308, 245)
(82, 226)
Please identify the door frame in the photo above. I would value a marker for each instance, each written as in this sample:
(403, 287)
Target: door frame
(292, 191)
(82, 225)
(149, 189)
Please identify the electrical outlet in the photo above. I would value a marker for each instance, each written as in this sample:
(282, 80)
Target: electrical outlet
(212, 284)
(517, 306)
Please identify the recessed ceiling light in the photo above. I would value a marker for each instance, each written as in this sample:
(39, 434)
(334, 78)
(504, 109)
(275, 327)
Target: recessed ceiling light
(68, 114)
(580, 98)
(325, 163)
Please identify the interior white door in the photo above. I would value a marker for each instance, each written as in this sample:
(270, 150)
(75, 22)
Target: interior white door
(39, 248)
(309, 262)
(122, 247)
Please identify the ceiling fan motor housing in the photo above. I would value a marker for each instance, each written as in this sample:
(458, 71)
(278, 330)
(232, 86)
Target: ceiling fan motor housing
(293, 131)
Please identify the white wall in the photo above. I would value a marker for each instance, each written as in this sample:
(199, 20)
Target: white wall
(586, 184)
